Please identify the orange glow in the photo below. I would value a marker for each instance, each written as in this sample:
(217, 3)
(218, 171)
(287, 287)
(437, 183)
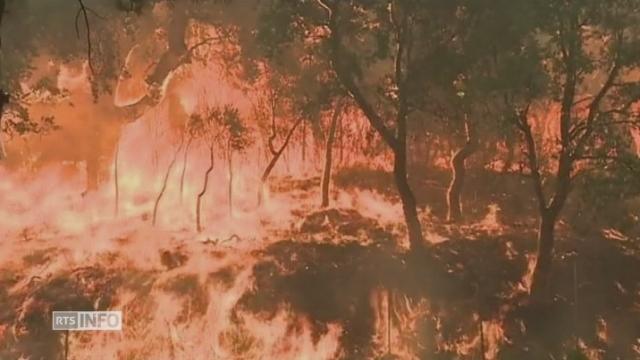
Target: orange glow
(187, 195)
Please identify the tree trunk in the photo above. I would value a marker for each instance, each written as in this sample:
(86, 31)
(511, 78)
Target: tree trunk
(409, 206)
(2, 5)
(341, 141)
(396, 140)
(230, 170)
(540, 285)
(3, 152)
(184, 168)
(204, 189)
(328, 157)
(274, 160)
(164, 186)
(304, 144)
(4, 99)
(542, 272)
(177, 48)
(454, 192)
(459, 170)
(548, 210)
(483, 351)
(116, 180)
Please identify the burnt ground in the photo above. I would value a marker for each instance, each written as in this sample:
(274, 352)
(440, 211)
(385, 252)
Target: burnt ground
(464, 281)
(476, 276)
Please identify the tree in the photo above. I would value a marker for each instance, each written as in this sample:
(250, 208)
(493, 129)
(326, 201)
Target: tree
(458, 168)
(184, 166)
(591, 54)
(345, 70)
(572, 62)
(14, 116)
(328, 154)
(30, 42)
(384, 68)
(4, 97)
(109, 36)
(218, 128)
(462, 96)
(237, 138)
(202, 126)
(270, 108)
(165, 180)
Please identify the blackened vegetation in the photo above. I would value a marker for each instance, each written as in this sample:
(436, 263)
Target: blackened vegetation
(330, 224)
(474, 277)
(334, 283)
(27, 312)
(465, 282)
(195, 297)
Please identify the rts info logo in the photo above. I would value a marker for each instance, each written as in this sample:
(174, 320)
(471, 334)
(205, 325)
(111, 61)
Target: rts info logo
(87, 320)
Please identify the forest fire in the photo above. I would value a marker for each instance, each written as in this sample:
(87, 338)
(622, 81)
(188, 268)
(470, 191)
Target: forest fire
(320, 179)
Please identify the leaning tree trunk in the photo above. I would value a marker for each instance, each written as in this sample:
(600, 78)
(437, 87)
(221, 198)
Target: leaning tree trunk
(542, 271)
(459, 170)
(204, 189)
(274, 160)
(328, 157)
(156, 205)
(184, 168)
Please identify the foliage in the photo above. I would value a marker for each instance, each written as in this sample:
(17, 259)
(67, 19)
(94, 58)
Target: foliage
(221, 125)
(238, 135)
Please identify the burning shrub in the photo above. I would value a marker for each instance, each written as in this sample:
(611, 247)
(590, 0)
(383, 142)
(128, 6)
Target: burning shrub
(82, 289)
(344, 223)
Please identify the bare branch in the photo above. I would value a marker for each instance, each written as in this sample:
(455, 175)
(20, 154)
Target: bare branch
(189, 54)
(594, 112)
(612, 159)
(84, 11)
(344, 75)
(274, 131)
(532, 157)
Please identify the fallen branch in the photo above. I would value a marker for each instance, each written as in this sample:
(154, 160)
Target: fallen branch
(217, 241)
